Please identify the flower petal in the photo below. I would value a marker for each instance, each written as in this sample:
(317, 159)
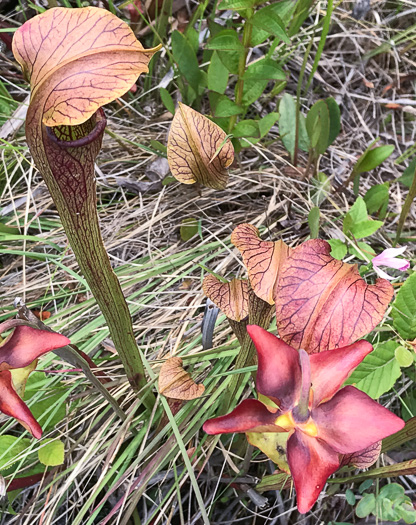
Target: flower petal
(352, 421)
(12, 405)
(26, 344)
(311, 462)
(249, 416)
(331, 368)
(387, 254)
(279, 374)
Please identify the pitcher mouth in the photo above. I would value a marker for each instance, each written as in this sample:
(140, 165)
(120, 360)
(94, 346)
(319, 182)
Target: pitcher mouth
(100, 124)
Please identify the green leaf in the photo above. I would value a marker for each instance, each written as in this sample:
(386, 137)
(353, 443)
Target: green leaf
(317, 126)
(313, 221)
(264, 69)
(338, 249)
(252, 90)
(222, 106)
(372, 158)
(246, 128)
(185, 57)
(10, 448)
(364, 251)
(358, 211)
(268, 20)
(287, 125)
(334, 119)
(365, 228)
(349, 496)
(226, 40)
(366, 506)
(267, 122)
(283, 9)
(365, 485)
(189, 228)
(404, 309)
(377, 198)
(378, 372)
(167, 100)
(51, 452)
(408, 174)
(217, 74)
(404, 357)
(235, 5)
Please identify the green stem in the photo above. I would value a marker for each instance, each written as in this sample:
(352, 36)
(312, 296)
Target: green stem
(242, 66)
(406, 208)
(65, 156)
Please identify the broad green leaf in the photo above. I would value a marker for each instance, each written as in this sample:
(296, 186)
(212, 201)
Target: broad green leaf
(408, 174)
(404, 356)
(363, 251)
(268, 20)
(226, 40)
(366, 506)
(313, 221)
(10, 448)
(235, 5)
(247, 128)
(283, 9)
(338, 249)
(317, 126)
(185, 57)
(252, 90)
(264, 69)
(372, 158)
(189, 228)
(167, 100)
(377, 198)
(349, 496)
(404, 309)
(217, 74)
(223, 106)
(365, 228)
(358, 211)
(51, 452)
(287, 125)
(267, 122)
(334, 119)
(378, 372)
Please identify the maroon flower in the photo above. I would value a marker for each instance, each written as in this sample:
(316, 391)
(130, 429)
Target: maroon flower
(324, 421)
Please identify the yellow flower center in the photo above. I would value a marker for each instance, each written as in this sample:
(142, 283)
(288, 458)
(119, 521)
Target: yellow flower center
(287, 422)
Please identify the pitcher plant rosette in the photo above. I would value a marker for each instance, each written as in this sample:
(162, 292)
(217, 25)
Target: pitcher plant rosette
(304, 399)
(19, 353)
(323, 306)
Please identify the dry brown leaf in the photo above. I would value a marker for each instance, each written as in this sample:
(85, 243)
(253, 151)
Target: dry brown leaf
(198, 150)
(175, 383)
(231, 298)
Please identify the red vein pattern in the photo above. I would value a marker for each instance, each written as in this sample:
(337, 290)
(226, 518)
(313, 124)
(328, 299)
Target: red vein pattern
(193, 142)
(263, 259)
(176, 383)
(77, 60)
(232, 298)
(323, 303)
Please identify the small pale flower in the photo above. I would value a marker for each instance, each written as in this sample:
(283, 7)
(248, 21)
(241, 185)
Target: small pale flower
(389, 258)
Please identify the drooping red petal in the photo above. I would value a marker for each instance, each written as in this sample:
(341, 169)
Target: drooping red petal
(249, 416)
(331, 368)
(12, 405)
(26, 344)
(323, 303)
(279, 374)
(352, 421)
(311, 462)
(363, 458)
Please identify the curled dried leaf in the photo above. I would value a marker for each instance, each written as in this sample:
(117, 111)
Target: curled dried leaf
(198, 150)
(175, 383)
(263, 259)
(232, 298)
